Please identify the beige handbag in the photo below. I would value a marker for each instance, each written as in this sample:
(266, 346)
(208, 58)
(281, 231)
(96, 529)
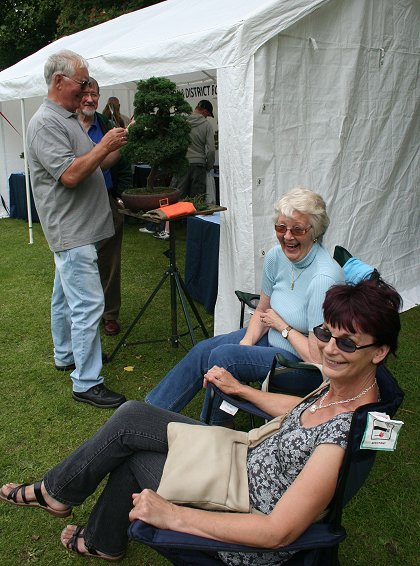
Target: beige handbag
(206, 465)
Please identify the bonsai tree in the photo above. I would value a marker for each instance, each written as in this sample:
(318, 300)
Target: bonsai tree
(160, 134)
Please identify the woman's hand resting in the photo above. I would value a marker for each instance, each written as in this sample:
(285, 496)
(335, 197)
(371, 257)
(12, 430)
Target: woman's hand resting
(223, 380)
(153, 509)
(271, 319)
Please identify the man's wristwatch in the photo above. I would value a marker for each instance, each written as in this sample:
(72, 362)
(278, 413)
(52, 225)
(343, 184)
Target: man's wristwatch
(285, 332)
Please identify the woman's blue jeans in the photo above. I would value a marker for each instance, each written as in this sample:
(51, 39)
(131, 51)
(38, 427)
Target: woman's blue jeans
(131, 447)
(184, 381)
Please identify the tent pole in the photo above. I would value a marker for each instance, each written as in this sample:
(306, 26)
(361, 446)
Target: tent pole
(25, 158)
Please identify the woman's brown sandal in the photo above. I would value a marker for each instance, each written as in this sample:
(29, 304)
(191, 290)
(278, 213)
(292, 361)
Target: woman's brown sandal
(40, 502)
(71, 544)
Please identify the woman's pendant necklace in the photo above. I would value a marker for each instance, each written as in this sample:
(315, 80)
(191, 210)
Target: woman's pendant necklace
(313, 408)
(292, 286)
(311, 259)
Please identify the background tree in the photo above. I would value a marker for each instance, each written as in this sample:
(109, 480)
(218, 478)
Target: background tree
(74, 17)
(160, 135)
(27, 26)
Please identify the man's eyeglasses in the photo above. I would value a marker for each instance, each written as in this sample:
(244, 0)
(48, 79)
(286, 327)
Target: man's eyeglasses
(83, 84)
(294, 230)
(344, 344)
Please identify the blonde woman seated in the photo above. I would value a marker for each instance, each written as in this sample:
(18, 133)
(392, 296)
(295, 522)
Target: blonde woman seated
(361, 328)
(297, 273)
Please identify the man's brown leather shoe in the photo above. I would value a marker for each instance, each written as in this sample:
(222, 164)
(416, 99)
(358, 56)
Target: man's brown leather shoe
(111, 327)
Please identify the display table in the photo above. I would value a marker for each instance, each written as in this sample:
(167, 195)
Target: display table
(17, 198)
(202, 259)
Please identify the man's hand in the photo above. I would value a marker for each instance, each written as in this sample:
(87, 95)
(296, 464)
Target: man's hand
(114, 139)
(104, 154)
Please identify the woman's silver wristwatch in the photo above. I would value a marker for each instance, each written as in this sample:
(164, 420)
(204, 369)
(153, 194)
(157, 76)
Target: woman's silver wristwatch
(285, 332)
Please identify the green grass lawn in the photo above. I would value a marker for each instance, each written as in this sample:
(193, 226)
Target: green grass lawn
(40, 423)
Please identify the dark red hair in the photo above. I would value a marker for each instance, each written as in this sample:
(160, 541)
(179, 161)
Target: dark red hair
(370, 306)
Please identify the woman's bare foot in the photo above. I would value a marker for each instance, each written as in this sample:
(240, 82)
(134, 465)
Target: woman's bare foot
(72, 538)
(33, 495)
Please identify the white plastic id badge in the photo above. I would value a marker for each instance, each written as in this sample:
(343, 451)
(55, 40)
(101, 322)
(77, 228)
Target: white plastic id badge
(228, 408)
(381, 432)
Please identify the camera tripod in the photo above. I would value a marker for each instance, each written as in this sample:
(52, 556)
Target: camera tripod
(177, 288)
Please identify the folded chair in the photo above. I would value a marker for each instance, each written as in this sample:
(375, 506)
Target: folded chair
(318, 545)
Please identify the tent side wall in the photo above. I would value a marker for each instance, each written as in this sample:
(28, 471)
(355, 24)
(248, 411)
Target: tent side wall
(236, 256)
(341, 116)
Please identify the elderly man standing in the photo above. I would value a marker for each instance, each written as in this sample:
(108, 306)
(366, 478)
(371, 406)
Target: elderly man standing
(73, 207)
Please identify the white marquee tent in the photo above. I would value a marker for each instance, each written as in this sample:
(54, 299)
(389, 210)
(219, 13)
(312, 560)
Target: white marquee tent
(320, 93)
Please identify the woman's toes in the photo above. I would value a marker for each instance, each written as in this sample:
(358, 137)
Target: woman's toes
(7, 488)
(77, 544)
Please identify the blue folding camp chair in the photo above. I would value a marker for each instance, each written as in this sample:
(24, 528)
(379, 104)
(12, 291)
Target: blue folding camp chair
(318, 545)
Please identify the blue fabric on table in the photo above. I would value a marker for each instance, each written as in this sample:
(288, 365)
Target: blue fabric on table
(17, 198)
(202, 259)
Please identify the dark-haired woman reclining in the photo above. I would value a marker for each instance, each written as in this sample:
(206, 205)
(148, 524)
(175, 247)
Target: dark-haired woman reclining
(360, 329)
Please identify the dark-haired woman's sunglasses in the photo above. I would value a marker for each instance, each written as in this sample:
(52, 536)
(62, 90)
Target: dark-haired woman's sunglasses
(344, 344)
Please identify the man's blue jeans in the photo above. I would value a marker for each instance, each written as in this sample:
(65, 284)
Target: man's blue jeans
(184, 381)
(77, 305)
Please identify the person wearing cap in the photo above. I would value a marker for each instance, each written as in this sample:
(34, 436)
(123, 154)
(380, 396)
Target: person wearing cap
(200, 153)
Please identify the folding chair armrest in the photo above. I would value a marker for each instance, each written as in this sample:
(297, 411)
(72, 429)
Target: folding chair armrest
(341, 255)
(236, 402)
(318, 535)
(250, 299)
(296, 365)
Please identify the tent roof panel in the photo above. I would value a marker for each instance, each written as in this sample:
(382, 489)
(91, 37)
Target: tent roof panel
(173, 37)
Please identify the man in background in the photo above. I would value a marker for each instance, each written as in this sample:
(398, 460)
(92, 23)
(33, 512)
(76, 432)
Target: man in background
(200, 153)
(73, 207)
(117, 178)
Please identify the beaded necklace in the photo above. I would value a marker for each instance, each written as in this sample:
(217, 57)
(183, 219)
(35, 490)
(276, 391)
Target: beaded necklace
(316, 407)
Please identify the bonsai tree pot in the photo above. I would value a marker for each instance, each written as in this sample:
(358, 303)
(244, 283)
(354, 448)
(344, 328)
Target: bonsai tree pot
(138, 200)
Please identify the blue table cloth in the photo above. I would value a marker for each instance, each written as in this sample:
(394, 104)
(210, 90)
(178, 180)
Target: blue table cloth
(17, 198)
(202, 259)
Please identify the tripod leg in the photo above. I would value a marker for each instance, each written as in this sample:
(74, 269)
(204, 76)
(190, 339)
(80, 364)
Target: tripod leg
(184, 307)
(174, 318)
(192, 305)
(139, 315)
